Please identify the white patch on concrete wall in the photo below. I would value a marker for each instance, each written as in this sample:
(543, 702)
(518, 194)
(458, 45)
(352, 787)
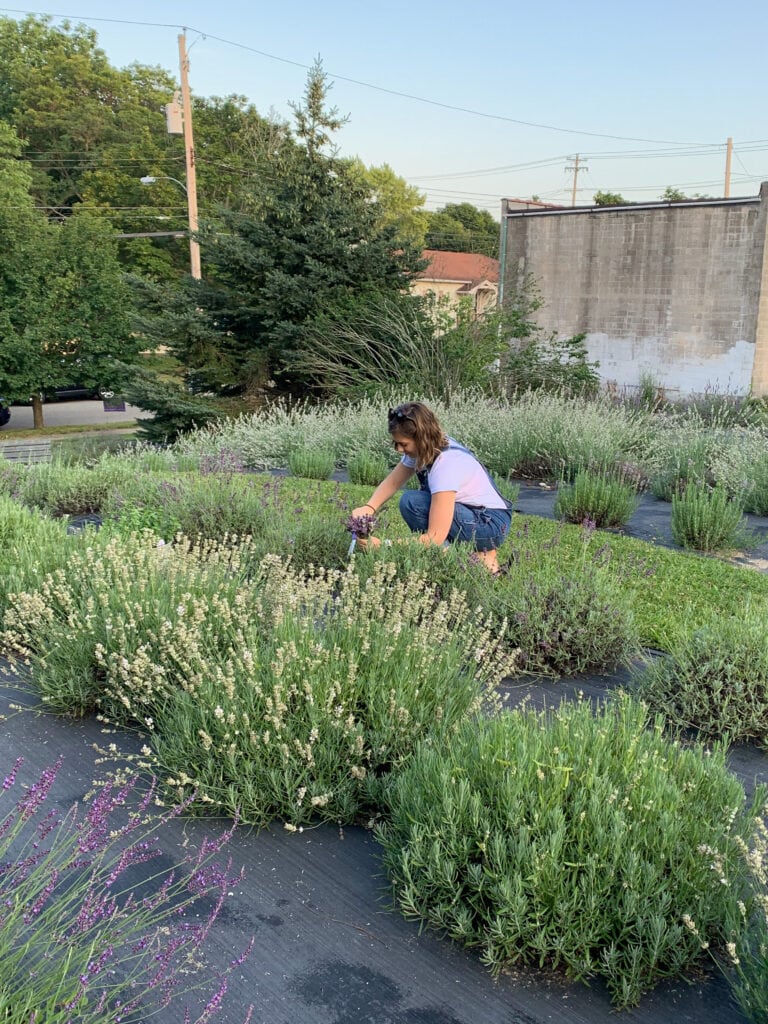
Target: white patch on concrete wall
(677, 364)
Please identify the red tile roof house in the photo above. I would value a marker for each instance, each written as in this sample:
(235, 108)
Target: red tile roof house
(459, 275)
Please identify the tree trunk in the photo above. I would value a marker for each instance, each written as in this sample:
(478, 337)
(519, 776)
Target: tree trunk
(37, 411)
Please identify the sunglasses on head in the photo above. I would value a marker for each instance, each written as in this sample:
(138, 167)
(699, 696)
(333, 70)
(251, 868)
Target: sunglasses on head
(399, 414)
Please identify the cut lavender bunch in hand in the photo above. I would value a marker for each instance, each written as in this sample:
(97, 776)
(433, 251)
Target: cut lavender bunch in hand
(361, 526)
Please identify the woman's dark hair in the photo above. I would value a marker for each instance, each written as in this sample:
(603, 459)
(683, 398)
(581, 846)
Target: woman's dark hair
(418, 423)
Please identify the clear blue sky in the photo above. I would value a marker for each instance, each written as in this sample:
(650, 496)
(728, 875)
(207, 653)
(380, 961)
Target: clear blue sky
(673, 75)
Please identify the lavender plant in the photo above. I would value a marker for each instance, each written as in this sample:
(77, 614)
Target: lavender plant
(708, 518)
(95, 631)
(715, 679)
(367, 468)
(569, 839)
(31, 545)
(329, 685)
(315, 463)
(746, 964)
(361, 526)
(85, 937)
(597, 496)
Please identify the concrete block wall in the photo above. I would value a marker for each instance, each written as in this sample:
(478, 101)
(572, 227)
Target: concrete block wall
(675, 291)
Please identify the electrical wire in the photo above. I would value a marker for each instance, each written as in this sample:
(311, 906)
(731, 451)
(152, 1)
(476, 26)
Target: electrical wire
(354, 81)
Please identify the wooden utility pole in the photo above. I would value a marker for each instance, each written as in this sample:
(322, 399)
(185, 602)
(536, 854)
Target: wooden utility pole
(576, 166)
(189, 147)
(728, 155)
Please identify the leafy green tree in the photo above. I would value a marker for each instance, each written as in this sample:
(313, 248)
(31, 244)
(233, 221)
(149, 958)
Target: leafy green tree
(82, 121)
(314, 242)
(672, 195)
(400, 205)
(608, 199)
(462, 227)
(64, 307)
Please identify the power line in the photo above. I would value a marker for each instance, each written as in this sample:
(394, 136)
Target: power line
(353, 81)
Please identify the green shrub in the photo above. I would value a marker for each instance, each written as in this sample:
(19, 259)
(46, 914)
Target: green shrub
(214, 506)
(129, 517)
(367, 469)
(313, 463)
(566, 613)
(598, 498)
(31, 545)
(71, 490)
(747, 964)
(569, 840)
(174, 409)
(715, 679)
(707, 519)
(97, 630)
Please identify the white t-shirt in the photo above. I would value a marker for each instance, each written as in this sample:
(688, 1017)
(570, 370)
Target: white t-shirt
(458, 470)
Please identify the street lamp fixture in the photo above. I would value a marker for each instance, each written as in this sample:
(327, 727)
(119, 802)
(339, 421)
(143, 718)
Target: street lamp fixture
(150, 179)
(194, 247)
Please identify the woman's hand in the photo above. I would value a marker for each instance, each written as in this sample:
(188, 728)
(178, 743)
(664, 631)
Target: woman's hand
(364, 510)
(368, 542)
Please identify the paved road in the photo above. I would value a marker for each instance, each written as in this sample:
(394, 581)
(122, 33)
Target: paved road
(60, 414)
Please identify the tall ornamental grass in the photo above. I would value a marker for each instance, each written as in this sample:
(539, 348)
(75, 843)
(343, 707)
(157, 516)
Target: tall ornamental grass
(569, 840)
(96, 924)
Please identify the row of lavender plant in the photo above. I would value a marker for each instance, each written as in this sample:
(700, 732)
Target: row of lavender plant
(85, 938)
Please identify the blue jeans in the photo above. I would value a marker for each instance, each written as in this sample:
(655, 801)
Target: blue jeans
(484, 528)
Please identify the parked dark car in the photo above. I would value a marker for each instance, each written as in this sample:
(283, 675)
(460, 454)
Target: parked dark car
(71, 392)
(5, 412)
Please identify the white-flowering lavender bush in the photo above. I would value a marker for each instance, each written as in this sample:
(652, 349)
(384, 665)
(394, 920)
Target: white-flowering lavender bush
(95, 630)
(328, 684)
(746, 963)
(530, 434)
(277, 694)
(83, 936)
(742, 469)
